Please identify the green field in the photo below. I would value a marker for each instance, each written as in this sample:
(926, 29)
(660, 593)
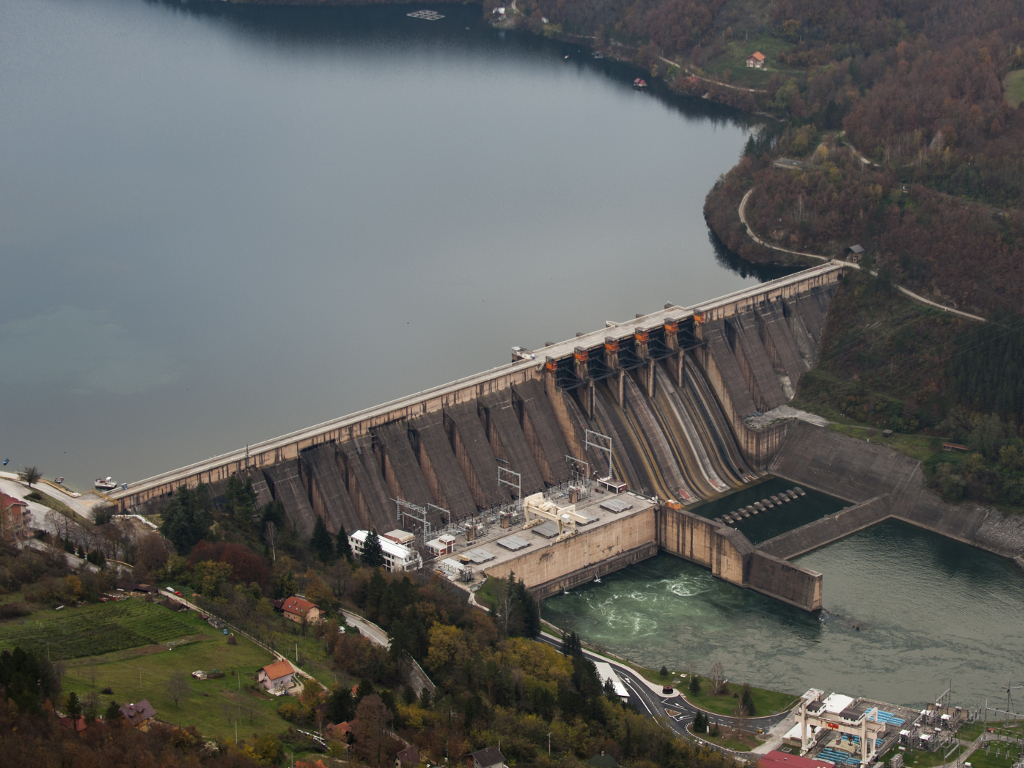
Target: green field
(96, 629)
(766, 702)
(916, 758)
(213, 706)
(133, 647)
(986, 758)
(738, 745)
(735, 56)
(1013, 87)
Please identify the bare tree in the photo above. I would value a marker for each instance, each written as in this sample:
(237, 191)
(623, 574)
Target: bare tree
(177, 687)
(270, 534)
(30, 475)
(717, 677)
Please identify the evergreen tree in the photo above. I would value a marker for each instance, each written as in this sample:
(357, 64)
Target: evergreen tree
(321, 542)
(373, 553)
(187, 518)
(113, 713)
(530, 611)
(284, 584)
(344, 549)
(694, 684)
(27, 679)
(273, 513)
(747, 701)
(73, 706)
(340, 705)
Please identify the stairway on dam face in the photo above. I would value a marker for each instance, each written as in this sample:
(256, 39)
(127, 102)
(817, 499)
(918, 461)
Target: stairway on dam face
(780, 344)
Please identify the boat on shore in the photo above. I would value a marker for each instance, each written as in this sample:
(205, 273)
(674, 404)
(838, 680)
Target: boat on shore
(105, 484)
(639, 84)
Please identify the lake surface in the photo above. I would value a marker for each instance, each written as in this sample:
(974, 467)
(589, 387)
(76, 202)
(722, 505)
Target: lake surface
(219, 224)
(906, 610)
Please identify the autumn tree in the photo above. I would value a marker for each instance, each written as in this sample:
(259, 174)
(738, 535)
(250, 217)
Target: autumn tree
(178, 687)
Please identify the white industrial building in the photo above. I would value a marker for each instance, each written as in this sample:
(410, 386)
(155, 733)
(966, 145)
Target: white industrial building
(397, 557)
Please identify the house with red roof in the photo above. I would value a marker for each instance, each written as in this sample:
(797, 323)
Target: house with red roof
(297, 609)
(12, 518)
(277, 676)
(756, 60)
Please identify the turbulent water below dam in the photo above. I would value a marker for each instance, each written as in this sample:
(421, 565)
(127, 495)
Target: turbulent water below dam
(906, 610)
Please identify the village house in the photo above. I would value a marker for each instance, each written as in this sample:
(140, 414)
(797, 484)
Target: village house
(756, 60)
(139, 714)
(77, 724)
(12, 518)
(408, 756)
(296, 609)
(276, 676)
(486, 758)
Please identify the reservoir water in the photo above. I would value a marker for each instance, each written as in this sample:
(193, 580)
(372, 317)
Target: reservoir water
(221, 223)
(906, 610)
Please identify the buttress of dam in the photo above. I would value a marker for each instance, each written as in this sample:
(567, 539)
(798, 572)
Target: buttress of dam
(670, 391)
(672, 399)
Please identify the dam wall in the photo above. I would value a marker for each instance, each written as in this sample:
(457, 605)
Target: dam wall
(731, 557)
(581, 558)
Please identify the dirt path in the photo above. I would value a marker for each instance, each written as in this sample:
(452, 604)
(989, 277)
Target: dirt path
(900, 288)
(720, 84)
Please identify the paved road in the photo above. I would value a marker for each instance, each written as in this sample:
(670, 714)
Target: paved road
(418, 678)
(909, 294)
(83, 504)
(648, 700)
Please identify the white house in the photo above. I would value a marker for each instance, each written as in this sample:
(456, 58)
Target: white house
(276, 676)
(397, 557)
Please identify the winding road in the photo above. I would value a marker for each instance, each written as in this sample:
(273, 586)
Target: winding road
(900, 288)
(648, 700)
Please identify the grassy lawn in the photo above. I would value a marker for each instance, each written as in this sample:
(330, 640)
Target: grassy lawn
(920, 447)
(99, 628)
(765, 702)
(213, 706)
(1013, 87)
(730, 739)
(917, 758)
(987, 758)
(735, 60)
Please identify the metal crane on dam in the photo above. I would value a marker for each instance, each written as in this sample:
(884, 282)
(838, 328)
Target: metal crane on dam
(540, 510)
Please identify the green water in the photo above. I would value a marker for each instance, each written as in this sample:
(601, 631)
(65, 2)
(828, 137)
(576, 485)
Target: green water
(781, 518)
(905, 611)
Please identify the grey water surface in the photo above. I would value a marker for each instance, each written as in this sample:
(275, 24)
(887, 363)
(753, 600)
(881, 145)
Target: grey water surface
(220, 223)
(906, 611)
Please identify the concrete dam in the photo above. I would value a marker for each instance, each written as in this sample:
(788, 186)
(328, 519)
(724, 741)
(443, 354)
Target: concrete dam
(658, 402)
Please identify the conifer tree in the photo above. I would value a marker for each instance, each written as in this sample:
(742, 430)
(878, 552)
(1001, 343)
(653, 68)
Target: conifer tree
(344, 548)
(321, 542)
(373, 553)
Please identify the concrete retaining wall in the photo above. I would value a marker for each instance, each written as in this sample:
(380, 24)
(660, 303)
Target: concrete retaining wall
(828, 529)
(556, 564)
(595, 571)
(886, 484)
(785, 581)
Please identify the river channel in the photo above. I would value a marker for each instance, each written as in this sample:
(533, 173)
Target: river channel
(906, 611)
(220, 223)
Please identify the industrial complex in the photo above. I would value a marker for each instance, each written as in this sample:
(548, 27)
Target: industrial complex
(591, 454)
